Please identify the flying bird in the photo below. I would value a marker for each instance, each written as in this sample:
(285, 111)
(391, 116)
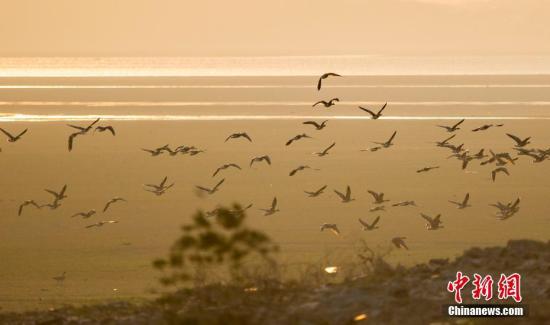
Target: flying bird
(332, 227)
(374, 115)
(105, 128)
(486, 127)
(317, 125)
(299, 168)
(324, 76)
(239, 135)
(426, 169)
(111, 201)
(58, 195)
(433, 223)
(399, 242)
(101, 223)
(84, 215)
(404, 204)
(325, 152)
(453, 127)
(371, 226)
(316, 193)
(519, 142)
(296, 138)
(273, 209)
(259, 159)
(445, 142)
(388, 143)
(345, 198)
(12, 138)
(499, 170)
(25, 203)
(159, 189)
(377, 208)
(464, 204)
(212, 190)
(327, 104)
(81, 131)
(378, 197)
(224, 167)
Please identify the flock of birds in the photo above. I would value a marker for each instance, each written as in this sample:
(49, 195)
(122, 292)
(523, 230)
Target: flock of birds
(502, 161)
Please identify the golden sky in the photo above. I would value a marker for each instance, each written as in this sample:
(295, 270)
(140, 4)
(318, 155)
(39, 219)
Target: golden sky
(276, 27)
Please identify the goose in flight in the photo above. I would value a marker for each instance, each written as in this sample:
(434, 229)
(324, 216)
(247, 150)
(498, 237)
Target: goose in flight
(296, 138)
(54, 205)
(374, 115)
(299, 168)
(25, 203)
(111, 201)
(325, 152)
(101, 223)
(480, 155)
(501, 158)
(273, 209)
(378, 197)
(224, 167)
(433, 223)
(404, 204)
(159, 189)
(519, 142)
(155, 152)
(507, 210)
(105, 128)
(445, 143)
(328, 104)
(324, 76)
(464, 204)
(499, 170)
(316, 193)
(452, 128)
(239, 135)
(84, 215)
(377, 208)
(426, 169)
(58, 195)
(347, 197)
(486, 127)
(317, 126)
(538, 157)
(456, 149)
(370, 226)
(388, 143)
(217, 210)
(194, 152)
(60, 278)
(85, 129)
(212, 190)
(332, 227)
(259, 159)
(399, 242)
(12, 138)
(81, 131)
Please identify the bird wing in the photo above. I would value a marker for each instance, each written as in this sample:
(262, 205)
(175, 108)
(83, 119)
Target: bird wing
(429, 219)
(332, 74)
(293, 172)
(319, 102)
(110, 128)
(374, 194)
(449, 138)
(363, 223)
(466, 198)
(329, 147)
(219, 183)
(367, 110)
(93, 225)
(203, 188)
(392, 137)
(382, 109)
(93, 123)
(20, 134)
(20, 209)
(51, 192)
(321, 189)
(76, 127)
(335, 230)
(375, 222)
(245, 135)
(217, 170)
(6, 133)
(312, 123)
(515, 138)
(289, 142)
(457, 124)
(266, 158)
(235, 165)
(274, 203)
(319, 83)
(348, 192)
(341, 195)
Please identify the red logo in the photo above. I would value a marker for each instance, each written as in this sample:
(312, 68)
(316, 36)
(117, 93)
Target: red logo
(508, 287)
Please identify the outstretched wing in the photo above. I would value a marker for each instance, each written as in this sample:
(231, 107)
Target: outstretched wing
(274, 203)
(375, 222)
(20, 134)
(515, 138)
(367, 110)
(340, 194)
(6, 133)
(219, 183)
(329, 147)
(392, 136)
(312, 123)
(457, 124)
(93, 123)
(466, 198)
(383, 108)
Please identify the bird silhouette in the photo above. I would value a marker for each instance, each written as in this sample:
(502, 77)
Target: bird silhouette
(239, 135)
(452, 128)
(111, 201)
(464, 204)
(345, 197)
(273, 209)
(332, 227)
(13, 138)
(224, 167)
(327, 104)
(316, 193)
(519, 142)
(324, 76)
(374, 115)
(317, 125)
(325, 151)
(371, 226)
(259, 159)
(433, 223)
(296, 138)
(399, 242)
(211, 190)
(105, 128)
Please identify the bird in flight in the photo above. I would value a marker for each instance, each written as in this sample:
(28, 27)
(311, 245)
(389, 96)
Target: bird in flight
(211, 190)
(433, 223)
(453, 127)
(499, 170)
(371, 226)
(388, 143)
(58, 195)
(54, 205)
(506, 210)
(374, 115)
(445, 143)
(426, 169)
(325, 152)
(101, 223)
(25, 203)
(519, 142)
(317, 125)
(404, 204)
(239, 135)
(84, 215)
(378, 197)
(81, 131)
(501, 159)
(299, 168)
(324, 76)
(486, 127)
(377, 208)
(224, 167)
(12, 138)
(480, 155)
(159, 189)
(332, 227)
(296, 138)
(109, 128)
(273, 209)
(157, 151)
(345, 198)
(259, 159)
(399, 242)
(327, 104)
(464, 204)
(111, 201)
(60, 278)
(316, 193)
